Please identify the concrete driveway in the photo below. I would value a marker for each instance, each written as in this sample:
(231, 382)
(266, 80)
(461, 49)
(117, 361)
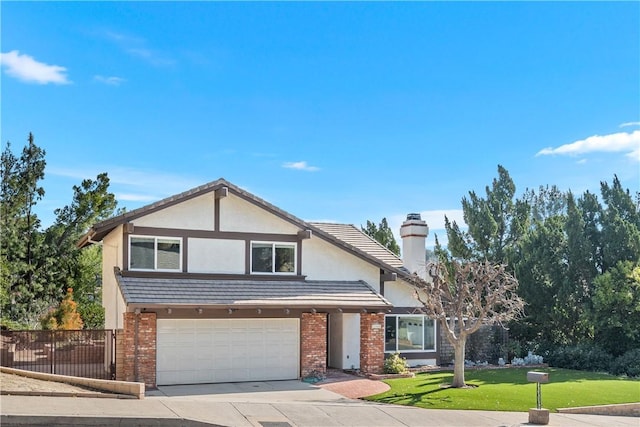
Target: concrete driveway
(258, 404)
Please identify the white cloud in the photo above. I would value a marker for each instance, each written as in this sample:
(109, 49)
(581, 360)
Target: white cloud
(132, 185)
(138, 47)
(111, 80)
(628, 143)
(151, 56)
(303, 166)
(27, 69)
(628, 124)
(129, 197)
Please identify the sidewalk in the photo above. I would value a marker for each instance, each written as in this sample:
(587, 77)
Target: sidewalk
(259, 404)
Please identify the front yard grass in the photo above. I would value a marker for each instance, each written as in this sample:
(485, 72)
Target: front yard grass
(507, 389)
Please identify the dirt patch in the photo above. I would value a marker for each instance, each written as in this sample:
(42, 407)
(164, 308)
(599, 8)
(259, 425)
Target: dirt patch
(17, 383)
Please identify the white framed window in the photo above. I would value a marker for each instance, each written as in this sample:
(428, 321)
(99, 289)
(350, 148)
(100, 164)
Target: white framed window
(155, 253)
(273, 258)
(409, 333)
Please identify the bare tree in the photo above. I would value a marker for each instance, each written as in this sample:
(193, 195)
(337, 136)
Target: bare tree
(465, 296)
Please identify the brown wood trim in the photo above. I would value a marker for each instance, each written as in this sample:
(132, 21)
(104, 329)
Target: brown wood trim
(185, 254)
(299, 256)
(215, 234)
(247, 257)
(406, 310)
(209, 276)
(222, 192)
(125, 251)
(216, 214)
(388, 277)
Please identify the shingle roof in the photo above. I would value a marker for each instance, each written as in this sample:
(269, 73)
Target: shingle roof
(250, 293)
(353, 236)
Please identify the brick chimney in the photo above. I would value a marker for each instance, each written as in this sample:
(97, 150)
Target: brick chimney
(414, 233)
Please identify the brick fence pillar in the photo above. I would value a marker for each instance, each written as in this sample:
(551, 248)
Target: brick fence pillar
(313, 344)
(139, 348)
(372, 343)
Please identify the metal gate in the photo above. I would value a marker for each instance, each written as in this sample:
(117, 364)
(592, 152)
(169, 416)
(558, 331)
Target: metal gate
(79, 353)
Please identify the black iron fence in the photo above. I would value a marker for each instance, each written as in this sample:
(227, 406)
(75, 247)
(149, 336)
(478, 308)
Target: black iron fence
(80, 353)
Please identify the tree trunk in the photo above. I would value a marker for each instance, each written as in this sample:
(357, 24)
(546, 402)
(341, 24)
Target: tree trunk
(458, 367)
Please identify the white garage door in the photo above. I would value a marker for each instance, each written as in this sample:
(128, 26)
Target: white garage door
(191, 351)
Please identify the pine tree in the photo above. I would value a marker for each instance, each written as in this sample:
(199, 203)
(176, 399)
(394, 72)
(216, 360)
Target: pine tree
(383, 234)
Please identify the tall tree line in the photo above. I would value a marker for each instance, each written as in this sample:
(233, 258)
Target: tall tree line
(38, 265)
(577, 259)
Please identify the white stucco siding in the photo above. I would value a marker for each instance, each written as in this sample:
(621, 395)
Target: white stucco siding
(324, 261)
(237, 214)
(192, 214)
(112, 300)
(344, 340)
(216, 256)
(400, 294)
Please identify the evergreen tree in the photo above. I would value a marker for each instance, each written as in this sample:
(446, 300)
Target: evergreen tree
(382, 234)
(38, 266)
(620, 226)
(495, 222)
(25, 292)
(616, 308)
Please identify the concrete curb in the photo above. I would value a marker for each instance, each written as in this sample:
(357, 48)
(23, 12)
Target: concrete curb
(624, 410)
(45, 421)
(66, 394)
(118, 387)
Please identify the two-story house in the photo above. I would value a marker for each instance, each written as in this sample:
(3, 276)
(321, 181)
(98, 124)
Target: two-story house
(218, 285)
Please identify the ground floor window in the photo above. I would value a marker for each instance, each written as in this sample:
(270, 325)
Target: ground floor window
(410, 332)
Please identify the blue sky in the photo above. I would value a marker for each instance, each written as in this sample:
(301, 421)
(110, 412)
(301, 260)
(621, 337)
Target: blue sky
(332, 111)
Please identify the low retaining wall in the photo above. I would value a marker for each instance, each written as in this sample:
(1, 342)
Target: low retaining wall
(119, 387)
(624, 409)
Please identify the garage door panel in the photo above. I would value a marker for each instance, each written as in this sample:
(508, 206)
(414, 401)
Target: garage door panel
(227, 350)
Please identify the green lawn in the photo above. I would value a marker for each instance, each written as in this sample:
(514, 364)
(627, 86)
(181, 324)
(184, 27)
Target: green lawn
(507, 389)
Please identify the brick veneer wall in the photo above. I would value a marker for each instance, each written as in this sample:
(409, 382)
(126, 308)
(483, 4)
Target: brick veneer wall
(313, 344)
(140, 367)
(372, 343)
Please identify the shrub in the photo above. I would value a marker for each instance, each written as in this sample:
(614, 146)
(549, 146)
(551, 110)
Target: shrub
(627, 364)
(583, 357)
(66, 316)
(92, 314)
(10, 325)
(395, 364)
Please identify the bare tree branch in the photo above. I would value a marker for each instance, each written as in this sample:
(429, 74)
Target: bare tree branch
(465, 296)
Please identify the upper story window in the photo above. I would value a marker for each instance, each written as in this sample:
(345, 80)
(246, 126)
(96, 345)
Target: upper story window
(155, 253)
(408, 333)
(277, 258)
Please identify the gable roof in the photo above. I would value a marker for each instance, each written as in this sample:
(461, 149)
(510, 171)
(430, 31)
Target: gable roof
(354, 236)
(345, 236)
